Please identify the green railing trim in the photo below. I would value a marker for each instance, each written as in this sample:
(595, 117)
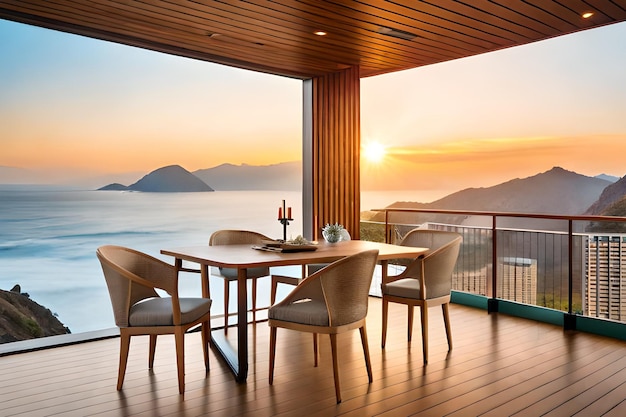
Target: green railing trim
(531, 312)
(601, 327)
(526, 311)
(542, 314)
(592, 325)
(470, 300)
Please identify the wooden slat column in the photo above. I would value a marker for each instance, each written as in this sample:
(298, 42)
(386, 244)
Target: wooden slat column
(331, 156)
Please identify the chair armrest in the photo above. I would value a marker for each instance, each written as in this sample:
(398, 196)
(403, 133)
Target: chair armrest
(415, 265)
(308, 287)
(286, 279)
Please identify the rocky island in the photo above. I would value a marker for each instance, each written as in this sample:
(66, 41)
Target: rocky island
(169, 179)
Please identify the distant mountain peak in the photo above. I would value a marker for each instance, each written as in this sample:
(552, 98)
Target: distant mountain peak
(607, 177)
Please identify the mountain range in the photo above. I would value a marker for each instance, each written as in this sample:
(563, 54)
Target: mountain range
(225, 177)
(283, 176)
(557, 191)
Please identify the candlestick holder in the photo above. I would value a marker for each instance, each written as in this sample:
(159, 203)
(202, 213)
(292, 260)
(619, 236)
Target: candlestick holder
(285, 222)
(284, 217)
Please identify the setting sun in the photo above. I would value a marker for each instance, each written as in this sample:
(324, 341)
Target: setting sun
(374, 152)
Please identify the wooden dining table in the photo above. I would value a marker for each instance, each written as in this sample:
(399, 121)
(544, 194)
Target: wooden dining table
(242, 257)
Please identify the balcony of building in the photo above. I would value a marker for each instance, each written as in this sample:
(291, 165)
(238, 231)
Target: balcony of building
(540, 344)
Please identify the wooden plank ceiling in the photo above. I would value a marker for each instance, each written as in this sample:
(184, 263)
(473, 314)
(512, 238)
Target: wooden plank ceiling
(278, 37)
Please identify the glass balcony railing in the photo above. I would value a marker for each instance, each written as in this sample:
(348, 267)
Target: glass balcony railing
(571, 264)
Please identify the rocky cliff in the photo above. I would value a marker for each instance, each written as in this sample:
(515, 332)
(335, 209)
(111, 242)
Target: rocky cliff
(21, 318)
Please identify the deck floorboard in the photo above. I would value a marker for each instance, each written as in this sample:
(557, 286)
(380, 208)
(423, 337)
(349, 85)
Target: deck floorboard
(500, 365)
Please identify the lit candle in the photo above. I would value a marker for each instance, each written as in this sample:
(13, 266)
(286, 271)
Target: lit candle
(289, 213)
(280, 213)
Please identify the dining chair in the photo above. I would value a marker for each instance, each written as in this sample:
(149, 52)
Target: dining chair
(306, 270)
(331, 301)
(426, 281)
(238, 237)
(132, 278)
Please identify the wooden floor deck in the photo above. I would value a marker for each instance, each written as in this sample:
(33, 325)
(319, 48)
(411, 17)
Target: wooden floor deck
(500, 365)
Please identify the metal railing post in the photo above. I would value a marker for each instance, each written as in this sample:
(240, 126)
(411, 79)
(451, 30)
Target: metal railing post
(387, 231)
(492, 303)
(569, 319)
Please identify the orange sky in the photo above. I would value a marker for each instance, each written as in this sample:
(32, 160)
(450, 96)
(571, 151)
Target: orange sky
(456, 165)
(81, 108)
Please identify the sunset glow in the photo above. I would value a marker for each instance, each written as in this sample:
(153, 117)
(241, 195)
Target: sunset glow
(374, 152)
(73, 108)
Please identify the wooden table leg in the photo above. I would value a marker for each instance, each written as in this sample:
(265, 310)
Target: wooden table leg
(236, 357)
(204, 274)
(242, 324)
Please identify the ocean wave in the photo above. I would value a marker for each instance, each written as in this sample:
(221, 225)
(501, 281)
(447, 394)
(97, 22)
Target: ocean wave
(96, 235)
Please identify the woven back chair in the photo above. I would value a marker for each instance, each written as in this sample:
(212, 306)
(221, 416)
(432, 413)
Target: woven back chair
(331, 301)
(426, 281)
(132, 278)
(238, 237)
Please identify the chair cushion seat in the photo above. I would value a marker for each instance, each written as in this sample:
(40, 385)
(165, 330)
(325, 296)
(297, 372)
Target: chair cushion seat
(305, 311)
(256, 272)
(158, 311)
(407, 288)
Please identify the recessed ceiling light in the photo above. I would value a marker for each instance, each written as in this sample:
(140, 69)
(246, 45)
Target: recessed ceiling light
(320, 33)
(587, 15)
(397, 33)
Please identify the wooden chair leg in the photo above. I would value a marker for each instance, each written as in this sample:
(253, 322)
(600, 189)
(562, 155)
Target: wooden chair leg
(366, 353)
(272, 353)
(424, 316)
(273, 291)
(410, 323)
(179, 335)
(385, 312)
(280, 279)
(446, 320)
(124, 348)
(153, 340)
(206, 337)
(333, 346)
(226, 299)
(315, 350)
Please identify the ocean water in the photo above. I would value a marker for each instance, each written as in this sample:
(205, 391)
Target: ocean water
(49, 237)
